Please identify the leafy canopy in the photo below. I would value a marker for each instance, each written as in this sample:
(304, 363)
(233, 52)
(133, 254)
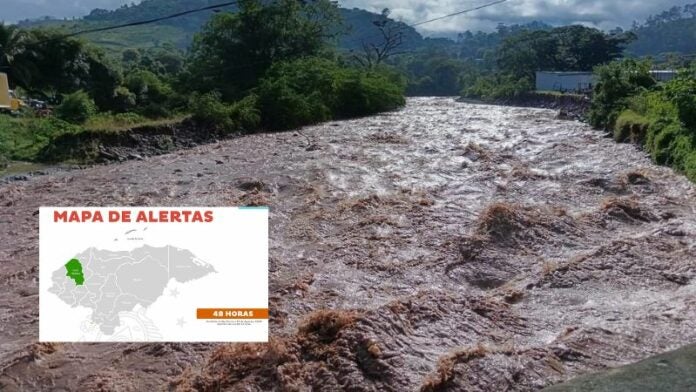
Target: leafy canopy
(233, 51)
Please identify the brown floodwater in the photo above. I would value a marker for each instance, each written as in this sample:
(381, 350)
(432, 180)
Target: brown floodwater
(444, 246)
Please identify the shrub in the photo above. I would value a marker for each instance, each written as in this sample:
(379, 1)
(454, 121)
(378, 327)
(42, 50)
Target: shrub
(661, 133)
(682, 92)
(123, 99)
(690, 166)
(208, 109)
(283, 106)
(153, 95)
(360, 93)
(311, 90)
(76, 108)
(616, 83)
(679, 149)
(245, 114)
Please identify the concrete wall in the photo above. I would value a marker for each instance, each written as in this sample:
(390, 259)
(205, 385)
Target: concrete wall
(564, 81)
(663, 76)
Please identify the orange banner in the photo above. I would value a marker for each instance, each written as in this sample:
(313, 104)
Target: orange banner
(231, 314)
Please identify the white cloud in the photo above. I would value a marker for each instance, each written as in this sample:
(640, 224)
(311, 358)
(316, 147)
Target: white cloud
(605, 14)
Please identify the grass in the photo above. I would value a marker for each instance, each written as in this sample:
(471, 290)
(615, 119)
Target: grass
(557, 94)
(123, 121)
(115, 41)
(23, 138)
(631, 127)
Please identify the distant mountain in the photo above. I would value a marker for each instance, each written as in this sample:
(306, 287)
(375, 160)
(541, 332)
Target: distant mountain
(672, 31)
(358, 25)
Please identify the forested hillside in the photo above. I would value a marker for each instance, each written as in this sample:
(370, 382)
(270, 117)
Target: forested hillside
(672, 31)
(357, 27)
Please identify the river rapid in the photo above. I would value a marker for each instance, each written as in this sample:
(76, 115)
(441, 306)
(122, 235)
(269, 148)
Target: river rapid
(444, 246)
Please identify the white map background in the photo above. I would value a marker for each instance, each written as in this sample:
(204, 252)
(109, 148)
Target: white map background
(143, 282)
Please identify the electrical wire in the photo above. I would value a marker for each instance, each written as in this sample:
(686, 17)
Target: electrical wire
(137, 23)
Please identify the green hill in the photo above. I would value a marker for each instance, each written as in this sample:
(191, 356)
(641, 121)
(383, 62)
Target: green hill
(358, 25)
(672, 31)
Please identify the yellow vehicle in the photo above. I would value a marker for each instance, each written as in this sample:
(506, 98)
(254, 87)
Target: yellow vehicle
(8, 100)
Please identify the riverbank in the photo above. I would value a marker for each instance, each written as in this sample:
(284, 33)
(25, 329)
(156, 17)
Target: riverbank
(569, 106)
(125, 144)
(64, 151)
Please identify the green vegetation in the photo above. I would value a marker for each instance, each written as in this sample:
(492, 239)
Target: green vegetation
(313, 89)
(631, 127)
(521, 54)
(22, 138)
(659, 116)
(357, 24)
(284, 64)
(666, 33)
(76, 108)
(74, 268)
(233, 51)
(268, 66)
(616, 83)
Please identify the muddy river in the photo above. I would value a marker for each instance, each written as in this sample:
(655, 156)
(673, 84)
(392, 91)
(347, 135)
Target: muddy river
(447, 246)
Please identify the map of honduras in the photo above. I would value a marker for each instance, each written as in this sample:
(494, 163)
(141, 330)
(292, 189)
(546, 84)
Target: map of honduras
(110, 282)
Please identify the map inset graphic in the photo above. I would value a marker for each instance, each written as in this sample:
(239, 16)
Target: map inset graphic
(149, 274)
(114, 282)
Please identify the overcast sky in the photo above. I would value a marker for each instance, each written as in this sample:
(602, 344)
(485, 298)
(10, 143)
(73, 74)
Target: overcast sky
(604, 14)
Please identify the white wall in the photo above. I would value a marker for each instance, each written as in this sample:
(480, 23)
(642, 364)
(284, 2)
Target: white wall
(564, 81)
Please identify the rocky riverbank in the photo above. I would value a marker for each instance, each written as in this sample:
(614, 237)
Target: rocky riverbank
(122, 145)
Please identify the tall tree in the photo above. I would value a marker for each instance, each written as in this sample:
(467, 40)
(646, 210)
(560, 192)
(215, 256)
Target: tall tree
(233, 51)
(13, 50)
(391, 40)
(568, 48)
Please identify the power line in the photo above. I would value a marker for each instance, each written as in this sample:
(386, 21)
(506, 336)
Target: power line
(466, 11)
(231, 3)
(139, 23)
(480, 7)
(459, 13)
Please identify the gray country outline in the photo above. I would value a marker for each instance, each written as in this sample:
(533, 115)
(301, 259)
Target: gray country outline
(118, 281)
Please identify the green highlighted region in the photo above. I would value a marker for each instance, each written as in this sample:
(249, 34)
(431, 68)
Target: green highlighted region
(74, 268)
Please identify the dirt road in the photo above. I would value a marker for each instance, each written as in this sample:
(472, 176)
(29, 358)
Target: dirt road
(459, 246)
